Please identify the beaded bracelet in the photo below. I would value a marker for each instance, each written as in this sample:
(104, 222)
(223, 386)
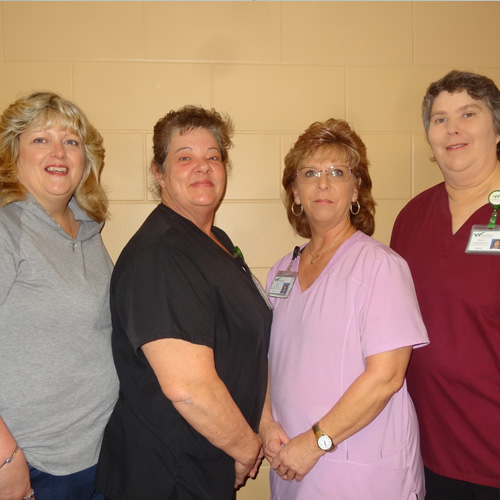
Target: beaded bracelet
(9, 460)
(30, 496)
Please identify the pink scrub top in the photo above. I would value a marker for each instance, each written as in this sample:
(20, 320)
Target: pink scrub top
(362, 304)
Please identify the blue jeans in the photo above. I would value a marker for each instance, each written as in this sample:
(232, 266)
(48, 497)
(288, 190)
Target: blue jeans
(77, 486)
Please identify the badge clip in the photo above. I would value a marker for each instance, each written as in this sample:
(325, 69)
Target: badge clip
(284, 280)
(485, 239)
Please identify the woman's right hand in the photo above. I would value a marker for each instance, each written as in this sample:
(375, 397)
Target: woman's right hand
(15, 478)
(250, 469)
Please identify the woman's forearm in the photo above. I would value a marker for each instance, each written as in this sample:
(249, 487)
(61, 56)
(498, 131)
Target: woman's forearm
(361, 403)
(187, 375)
(7, 442)
(272, 434)
(368, 394)
(14, 475)
(209, 408)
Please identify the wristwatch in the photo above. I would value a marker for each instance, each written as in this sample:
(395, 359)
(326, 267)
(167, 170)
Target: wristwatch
(323, 440)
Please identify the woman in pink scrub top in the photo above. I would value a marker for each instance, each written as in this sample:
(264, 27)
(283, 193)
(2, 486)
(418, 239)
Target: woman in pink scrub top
(338, 421)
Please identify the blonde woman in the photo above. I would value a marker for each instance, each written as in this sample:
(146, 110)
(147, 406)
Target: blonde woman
(58, 384)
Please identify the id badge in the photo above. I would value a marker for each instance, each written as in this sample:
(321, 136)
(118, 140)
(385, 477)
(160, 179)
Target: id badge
(282, 284)
(485, 240)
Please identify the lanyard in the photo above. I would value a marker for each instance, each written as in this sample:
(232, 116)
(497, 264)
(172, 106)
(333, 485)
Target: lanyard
(238, 254)
(486, 239)
(494, 199)
(284, 280)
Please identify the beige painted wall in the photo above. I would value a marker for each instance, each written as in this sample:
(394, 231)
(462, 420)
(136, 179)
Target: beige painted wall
(275, 67)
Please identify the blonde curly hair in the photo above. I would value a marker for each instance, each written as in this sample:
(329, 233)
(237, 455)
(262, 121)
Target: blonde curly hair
(42, 110)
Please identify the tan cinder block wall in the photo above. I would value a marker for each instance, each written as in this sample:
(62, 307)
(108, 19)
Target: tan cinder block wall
(275, 67)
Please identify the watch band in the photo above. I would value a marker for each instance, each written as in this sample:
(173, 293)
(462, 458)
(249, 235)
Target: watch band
(318, 433)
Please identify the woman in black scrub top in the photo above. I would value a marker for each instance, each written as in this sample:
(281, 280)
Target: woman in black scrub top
(190, 333)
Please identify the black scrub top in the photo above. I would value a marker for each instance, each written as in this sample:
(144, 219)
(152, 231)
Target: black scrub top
(173, 281)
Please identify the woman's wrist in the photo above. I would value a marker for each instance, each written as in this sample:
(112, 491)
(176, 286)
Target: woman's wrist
(10, 458)
(30, 495)
(251, 450)
(265, 422)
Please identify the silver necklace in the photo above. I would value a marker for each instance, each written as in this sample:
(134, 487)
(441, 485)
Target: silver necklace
(329, 247)
(71, 226)
(315, 258)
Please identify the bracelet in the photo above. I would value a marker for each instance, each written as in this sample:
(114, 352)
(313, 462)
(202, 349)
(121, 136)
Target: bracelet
(30, 496)
(9, 460)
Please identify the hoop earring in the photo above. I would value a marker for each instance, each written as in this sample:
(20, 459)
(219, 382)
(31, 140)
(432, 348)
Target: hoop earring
(357, 211)
(293, 211)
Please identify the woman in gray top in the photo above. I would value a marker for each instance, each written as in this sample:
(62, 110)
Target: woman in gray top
(58, 383)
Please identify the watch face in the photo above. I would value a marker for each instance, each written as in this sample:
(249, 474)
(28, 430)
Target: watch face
(324, 442)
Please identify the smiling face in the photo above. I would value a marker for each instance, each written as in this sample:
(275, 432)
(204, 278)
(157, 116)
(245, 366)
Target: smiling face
(326, 201)
(462, 136)
(50, 164)
(195, 179)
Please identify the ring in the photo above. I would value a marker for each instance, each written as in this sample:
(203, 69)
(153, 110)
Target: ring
(30, 496)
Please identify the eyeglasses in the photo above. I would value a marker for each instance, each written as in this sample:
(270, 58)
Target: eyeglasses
(307, 175)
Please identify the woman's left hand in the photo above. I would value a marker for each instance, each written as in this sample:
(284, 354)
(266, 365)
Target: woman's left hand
(273, 438)
(297, 457)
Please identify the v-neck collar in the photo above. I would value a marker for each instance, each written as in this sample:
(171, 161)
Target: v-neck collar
(341, 250)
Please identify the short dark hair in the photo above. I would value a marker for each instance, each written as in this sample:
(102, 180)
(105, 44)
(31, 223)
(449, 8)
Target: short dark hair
(184, 120)
(477, 86)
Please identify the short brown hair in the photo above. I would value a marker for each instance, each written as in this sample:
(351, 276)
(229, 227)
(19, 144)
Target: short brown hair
(184, 120)
(477, 86)
(332, 136)
(41, 110)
